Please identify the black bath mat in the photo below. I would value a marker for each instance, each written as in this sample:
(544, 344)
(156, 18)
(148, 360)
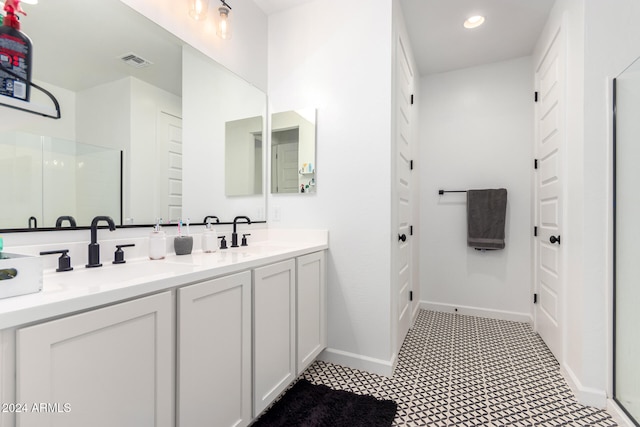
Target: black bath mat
(310, 405)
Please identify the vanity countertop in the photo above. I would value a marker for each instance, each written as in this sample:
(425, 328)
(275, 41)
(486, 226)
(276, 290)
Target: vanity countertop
(87, 288)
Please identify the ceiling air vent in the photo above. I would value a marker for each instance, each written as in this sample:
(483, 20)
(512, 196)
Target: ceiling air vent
(135, 60)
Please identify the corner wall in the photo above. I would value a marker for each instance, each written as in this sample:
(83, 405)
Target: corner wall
(476, 132)
(340, 63)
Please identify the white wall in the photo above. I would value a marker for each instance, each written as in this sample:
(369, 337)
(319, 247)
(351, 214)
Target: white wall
(245, 53)
(336, 56)
(612, 43)
(135, 106)
(64, 128)
(476, 132)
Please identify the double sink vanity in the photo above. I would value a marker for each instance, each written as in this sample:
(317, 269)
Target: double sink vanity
(201, 339)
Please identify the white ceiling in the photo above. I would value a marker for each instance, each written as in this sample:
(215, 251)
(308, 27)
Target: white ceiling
(100, 31)
(441, 43)
(76, 45)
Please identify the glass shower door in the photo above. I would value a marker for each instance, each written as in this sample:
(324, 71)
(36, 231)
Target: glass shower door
(627, 241)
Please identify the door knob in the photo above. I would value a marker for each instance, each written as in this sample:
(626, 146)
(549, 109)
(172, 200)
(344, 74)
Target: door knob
(402, 237)
(554, 239)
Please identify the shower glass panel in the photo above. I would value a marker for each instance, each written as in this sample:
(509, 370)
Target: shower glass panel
(44, 178)
(627, 241)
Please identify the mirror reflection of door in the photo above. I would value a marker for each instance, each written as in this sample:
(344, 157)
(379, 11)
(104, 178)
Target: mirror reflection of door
(284, 161)
(293, 151)
(243, 156)
(169, 146)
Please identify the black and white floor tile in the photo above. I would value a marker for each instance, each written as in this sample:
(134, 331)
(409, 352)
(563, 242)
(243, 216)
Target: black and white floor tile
(456, 370)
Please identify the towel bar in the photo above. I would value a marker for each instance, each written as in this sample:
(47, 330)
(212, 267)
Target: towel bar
(441, 192)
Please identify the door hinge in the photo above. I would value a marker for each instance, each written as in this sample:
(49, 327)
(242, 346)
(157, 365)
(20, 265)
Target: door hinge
(410, 295)
(411, 99)
(411, 230)
(410, 164)
(535, 163)
(535, 298)
(535, 96)
(535, 231)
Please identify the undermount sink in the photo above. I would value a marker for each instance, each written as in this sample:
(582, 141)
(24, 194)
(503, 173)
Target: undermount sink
(19, 274)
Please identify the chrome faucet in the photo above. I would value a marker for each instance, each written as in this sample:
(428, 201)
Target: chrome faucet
(234, 235)
(94, 247)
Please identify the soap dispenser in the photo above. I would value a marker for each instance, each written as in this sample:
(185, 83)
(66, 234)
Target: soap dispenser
(210, 236)
(157, 242)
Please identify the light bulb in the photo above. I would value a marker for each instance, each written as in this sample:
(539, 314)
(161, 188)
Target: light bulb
(198, 9)
(223, 29)
(474, 21)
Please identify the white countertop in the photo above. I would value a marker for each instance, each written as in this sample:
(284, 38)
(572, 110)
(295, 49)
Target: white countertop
(85, 288)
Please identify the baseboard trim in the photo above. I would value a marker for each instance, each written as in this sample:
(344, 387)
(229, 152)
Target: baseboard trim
(587, 396)
(358, 361)
(618, 415)
(477, 311)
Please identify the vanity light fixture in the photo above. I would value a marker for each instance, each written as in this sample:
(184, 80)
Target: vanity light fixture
(474, 21)
(198, 9)
(223, 24)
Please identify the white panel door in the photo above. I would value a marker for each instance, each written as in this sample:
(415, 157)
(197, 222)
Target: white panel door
(285, 168)
(109, 367)
(274, 331)
(311, 308)
(404, 84)
(214, 352)
(170, 166)
(550, 135)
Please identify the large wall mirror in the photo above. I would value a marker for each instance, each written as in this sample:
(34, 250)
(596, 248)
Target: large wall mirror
(126, 85)
(293, 151)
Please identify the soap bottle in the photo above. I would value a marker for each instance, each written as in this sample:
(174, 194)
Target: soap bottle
(209, 238)
(157, 242)
(15, 54)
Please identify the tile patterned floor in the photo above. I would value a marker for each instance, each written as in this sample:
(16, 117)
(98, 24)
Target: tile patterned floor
(456, 370)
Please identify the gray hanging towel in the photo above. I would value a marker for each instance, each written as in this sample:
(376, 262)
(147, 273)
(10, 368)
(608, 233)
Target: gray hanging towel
(486, 211)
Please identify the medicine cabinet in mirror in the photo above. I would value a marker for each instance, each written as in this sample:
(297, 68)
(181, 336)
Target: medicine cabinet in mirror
(127, 85)
(293, 151)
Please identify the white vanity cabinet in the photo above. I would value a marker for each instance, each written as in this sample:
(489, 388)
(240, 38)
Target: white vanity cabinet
(111, 366)
(310, 308)
(214, 352)
(274, 331)
(191, 347)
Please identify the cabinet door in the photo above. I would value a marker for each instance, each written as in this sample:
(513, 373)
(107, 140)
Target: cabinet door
(311, 308)
(214, 352)
(274, 331)
(107, 367)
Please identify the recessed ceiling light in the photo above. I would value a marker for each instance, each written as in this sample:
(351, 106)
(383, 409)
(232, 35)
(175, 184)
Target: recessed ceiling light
(474, 21)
